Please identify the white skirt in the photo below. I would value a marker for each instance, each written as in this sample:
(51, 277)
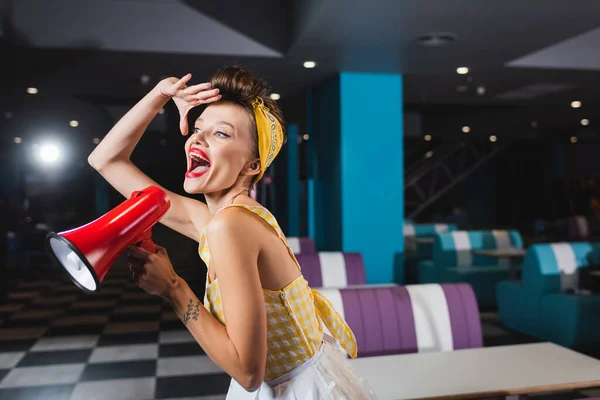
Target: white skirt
(327, 375)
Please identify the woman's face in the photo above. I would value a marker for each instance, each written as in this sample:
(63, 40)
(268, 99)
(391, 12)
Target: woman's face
(219, 150)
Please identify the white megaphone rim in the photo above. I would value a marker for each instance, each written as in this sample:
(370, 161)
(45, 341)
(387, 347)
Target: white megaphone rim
(52, 235)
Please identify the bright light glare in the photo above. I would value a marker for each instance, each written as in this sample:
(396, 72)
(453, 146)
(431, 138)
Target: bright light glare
(49, 153)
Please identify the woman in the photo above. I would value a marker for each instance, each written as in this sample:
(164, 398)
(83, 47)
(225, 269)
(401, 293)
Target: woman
(278, 354)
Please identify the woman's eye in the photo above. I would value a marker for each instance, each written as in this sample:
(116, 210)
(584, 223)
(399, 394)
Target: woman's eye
(196, 130)
(221, 134)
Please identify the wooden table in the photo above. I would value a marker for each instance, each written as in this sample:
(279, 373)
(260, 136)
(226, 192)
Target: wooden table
(512, 253)
(479, 373)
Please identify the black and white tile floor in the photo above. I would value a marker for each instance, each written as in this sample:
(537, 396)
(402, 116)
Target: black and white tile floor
(57, 343)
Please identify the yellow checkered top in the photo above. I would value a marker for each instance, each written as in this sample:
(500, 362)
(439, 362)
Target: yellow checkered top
(294, 314)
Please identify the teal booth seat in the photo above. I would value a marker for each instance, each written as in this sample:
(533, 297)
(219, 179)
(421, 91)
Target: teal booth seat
(414, 251)
(547, 303)
(423, 231)
(453, 260)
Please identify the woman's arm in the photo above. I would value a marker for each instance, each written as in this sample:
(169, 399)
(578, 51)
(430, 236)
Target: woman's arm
(111, 158)
(240, 348)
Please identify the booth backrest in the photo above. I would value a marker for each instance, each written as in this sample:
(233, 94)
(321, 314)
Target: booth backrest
(423, 250)
(455, 249)
(301, 245)
(410, 319)
(553, 267)
(332, 269)
(419, 230)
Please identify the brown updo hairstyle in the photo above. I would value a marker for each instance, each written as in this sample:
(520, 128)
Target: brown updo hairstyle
(240, 86)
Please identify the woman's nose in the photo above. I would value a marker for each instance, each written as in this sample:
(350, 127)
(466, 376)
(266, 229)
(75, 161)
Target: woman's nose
(199, 139)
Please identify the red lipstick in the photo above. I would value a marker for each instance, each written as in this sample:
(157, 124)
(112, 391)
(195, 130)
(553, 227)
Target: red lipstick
(199, 163)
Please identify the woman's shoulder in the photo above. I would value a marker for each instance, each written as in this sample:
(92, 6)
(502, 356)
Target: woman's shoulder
(239, 218)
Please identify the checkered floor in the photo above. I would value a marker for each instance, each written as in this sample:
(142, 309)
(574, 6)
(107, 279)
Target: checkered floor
(57, 342)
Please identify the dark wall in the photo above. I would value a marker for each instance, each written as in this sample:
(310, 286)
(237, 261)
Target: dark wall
(325, 138)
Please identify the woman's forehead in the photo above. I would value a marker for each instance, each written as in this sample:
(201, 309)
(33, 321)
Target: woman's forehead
(226, 114)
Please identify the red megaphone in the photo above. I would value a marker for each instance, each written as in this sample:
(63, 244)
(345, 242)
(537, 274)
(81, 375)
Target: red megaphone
(88, 252)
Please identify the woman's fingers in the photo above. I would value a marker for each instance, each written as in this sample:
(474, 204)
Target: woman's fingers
(180, 84)
(135, 267)
(210, 99)
(206, 94)
(197, 88)
(183, 124)
(136, 278)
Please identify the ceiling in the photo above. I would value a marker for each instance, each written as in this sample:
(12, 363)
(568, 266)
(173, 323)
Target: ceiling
(532, 57)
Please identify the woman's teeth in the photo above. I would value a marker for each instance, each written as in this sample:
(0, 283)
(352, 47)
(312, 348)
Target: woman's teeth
(199, 159)
(198, 163)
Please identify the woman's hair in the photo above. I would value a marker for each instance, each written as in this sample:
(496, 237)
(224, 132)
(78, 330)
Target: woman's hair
(240, 86)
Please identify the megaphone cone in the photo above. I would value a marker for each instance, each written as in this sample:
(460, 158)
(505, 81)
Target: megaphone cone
(87, 253)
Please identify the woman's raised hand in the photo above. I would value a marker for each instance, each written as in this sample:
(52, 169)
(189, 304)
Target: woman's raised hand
(187, 97)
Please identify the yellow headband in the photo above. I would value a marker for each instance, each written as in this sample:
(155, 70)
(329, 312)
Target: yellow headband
(270, 136)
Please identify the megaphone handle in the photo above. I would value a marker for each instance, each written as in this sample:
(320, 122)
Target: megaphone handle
(148, 244)
(145, 241)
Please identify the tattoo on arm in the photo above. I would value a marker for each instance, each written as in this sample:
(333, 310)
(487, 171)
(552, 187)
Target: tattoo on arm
(191, 313)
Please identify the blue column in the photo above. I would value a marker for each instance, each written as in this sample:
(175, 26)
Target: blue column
(372, 159)
(293, 181)
(359, 191)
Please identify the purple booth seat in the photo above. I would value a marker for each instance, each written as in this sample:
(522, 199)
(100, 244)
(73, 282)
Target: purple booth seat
(332, 269)
(410, 319)
(301, 245)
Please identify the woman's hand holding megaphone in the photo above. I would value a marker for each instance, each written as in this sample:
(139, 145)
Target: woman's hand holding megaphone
(153, 272)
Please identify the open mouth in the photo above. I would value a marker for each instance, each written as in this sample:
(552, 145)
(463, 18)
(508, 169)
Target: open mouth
(199, 163)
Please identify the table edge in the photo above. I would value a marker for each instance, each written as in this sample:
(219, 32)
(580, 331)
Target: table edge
(518, 391)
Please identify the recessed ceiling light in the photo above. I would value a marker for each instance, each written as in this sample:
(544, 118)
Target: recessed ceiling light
(466, 129)
(573, 139)
(481, 90)
(32, 90)
(493, 138)
(275, 96)
(145, 79)
(576, 104)
(96, 140)
(462, 70)
(429, 154)
(427, 138)
(585, 122)
(17, 140)
(74, 124)
(305, 137)
(436, 39)
(309, 64)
